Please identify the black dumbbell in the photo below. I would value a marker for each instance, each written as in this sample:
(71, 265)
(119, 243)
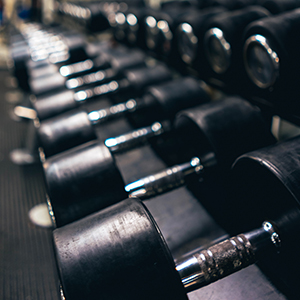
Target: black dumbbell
(131, 238)
(89, 15)
(86, 178)
(271, 57)
(223, 46)
(129, 27)
(106, 66)
(70, 47)
(44, 69)
(41, 44)
(96, 16)
(190, 36)
(161, 28)
(132, 81)
(160, 102)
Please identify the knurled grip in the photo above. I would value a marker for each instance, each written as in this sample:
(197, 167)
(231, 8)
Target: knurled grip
(225, 258)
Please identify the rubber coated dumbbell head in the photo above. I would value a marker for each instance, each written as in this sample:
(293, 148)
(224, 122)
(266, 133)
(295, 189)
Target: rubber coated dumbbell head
(268, 180)
(265, 184)
(224, 45)
(87, 172)
(271, 56)
(63, 132)
(121, 242)
(228, 128)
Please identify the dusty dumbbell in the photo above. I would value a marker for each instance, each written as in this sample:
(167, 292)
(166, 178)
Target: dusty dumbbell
(132, 81)
(271, 57)
(132, 245)
(160, 102)
(86, 178)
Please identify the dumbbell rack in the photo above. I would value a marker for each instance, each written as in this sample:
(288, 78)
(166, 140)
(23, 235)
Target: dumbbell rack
(27, 263)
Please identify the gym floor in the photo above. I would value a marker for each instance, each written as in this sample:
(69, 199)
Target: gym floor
(27, 262)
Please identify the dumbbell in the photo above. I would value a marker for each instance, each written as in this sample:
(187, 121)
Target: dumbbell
(129, 27)
(161, 27)
(160, 102)
(43, 69)
(90, 15)
(86, 179)
(132, 245)
(69, 47)
(106, 66)
(271, 57)
(95, 16)
(190, 36)
(223, 46)
(132, 81)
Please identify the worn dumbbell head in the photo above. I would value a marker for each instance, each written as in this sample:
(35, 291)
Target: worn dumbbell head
(126, 235)
(84, 180)
(131, 245)
(226, 128)
(219, 133)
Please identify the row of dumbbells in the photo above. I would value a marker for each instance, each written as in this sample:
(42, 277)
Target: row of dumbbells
(250, 50)
(124, 240)
(101, 236)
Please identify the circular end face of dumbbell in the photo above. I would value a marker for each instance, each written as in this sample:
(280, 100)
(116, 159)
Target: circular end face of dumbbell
(265, 185)
(228, 128)
(118, 22)
(117, 253)
(261, 61)
(132, 28)
(152, 32)
(187, 43)
(218, 50)
(81, 181)
(65, 131)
